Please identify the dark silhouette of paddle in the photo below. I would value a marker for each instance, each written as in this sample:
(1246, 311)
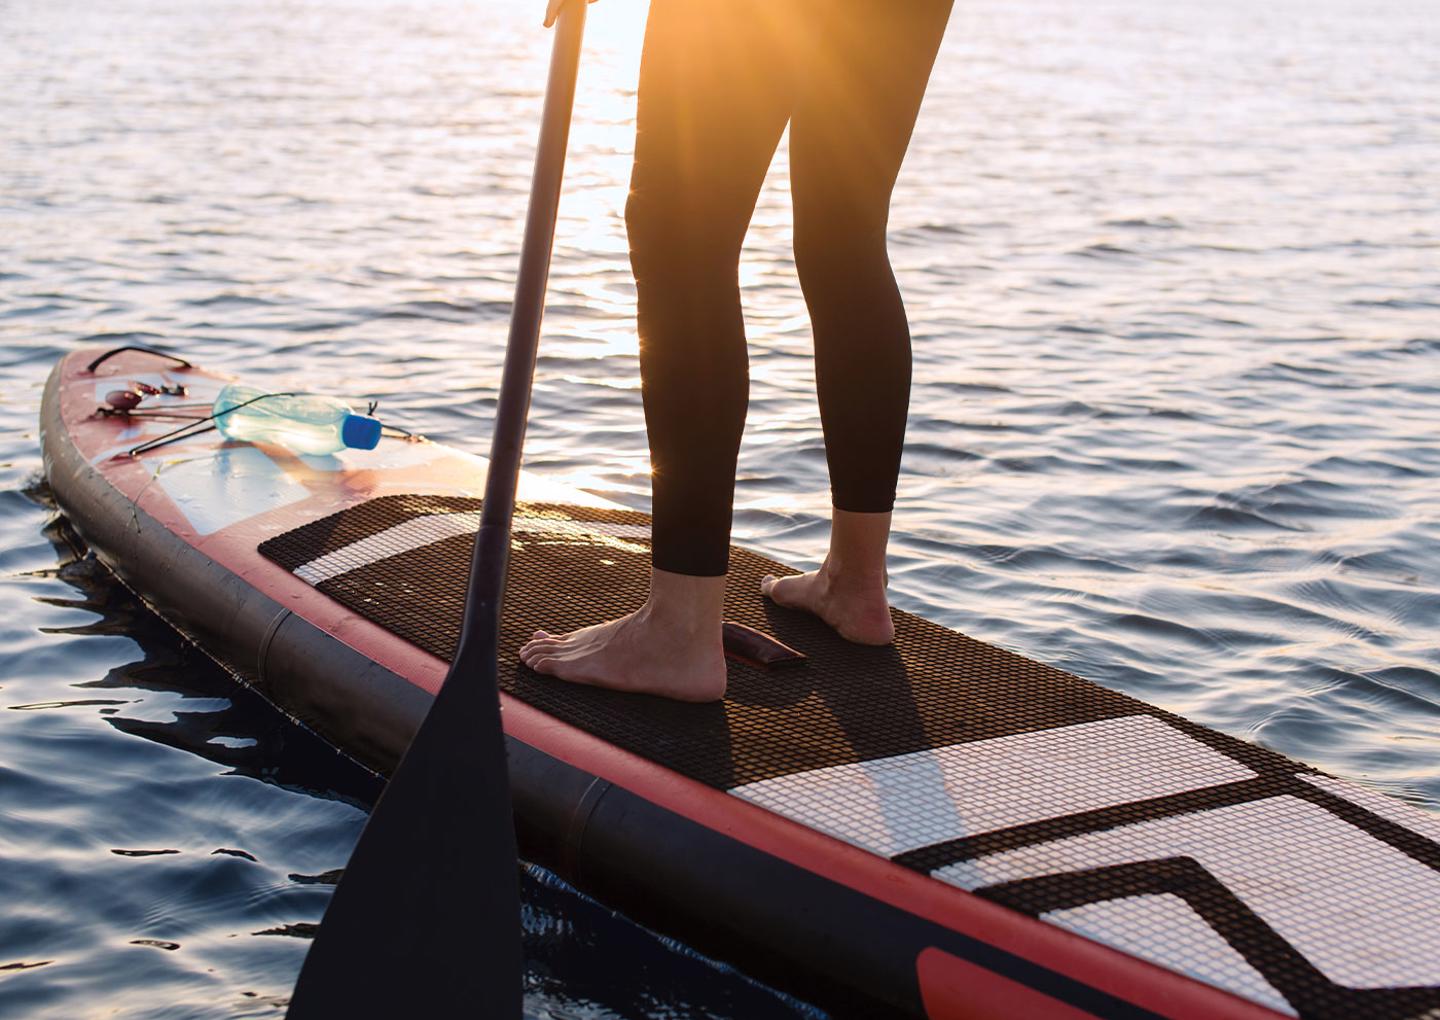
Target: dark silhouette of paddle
(426, 920)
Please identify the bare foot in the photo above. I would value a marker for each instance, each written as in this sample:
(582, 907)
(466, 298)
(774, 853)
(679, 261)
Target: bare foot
(858, 611)
(672, 646)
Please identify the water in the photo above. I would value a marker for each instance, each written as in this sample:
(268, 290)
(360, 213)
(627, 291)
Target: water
(1172, 275)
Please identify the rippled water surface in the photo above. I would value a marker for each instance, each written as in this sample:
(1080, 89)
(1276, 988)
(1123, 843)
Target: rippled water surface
(1172, 272)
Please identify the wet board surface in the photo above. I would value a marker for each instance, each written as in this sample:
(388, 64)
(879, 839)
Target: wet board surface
(981, 773)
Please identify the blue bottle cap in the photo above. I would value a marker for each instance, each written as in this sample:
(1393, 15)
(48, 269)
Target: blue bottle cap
(359, 432)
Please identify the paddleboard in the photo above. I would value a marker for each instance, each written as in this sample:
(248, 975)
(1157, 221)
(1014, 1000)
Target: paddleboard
(939, 828)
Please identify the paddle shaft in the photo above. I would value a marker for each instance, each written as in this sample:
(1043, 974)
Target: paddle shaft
(426, 920)
(492, 544)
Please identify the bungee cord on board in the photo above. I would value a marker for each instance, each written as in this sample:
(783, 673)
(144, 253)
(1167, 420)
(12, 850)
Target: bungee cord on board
(354, 431)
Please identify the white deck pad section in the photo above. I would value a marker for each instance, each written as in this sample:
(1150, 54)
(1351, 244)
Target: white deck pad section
(1164, 928)
(423, 531)
(893, 805)
(1389, 808)
(1361, 911)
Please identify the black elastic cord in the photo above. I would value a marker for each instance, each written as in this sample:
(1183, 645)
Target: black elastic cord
(115, 412)
(136, 347)
(186, 431)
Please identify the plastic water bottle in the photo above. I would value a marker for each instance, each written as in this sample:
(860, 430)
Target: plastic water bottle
(305, 422)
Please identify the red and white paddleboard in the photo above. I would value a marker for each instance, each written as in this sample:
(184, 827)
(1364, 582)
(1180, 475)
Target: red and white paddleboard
(940, 828)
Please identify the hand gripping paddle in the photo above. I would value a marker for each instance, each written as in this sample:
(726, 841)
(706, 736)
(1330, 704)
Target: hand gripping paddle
(426, 920)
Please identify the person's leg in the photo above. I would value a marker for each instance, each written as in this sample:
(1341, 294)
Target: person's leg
(714, 100)
(713, 103)
(864, 77)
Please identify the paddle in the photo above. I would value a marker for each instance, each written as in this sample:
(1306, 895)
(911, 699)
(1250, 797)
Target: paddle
(426, 920)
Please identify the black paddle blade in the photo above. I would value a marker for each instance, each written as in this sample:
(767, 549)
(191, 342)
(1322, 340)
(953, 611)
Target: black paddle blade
(426, 920)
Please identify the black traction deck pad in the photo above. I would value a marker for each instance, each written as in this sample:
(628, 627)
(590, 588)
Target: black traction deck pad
(850, 703)
(922, 712)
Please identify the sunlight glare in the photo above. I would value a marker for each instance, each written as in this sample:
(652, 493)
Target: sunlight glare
(602, 141)
(616, 28)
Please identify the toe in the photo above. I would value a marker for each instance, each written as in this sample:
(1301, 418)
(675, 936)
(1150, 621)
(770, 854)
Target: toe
(781, 591)
(538, 647)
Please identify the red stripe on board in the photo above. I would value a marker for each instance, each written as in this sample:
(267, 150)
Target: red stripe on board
(956, 989)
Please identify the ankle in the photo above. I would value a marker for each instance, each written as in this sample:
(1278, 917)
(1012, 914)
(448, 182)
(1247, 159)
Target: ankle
(840, 577)
(689, 606)
(679, 620)
(858, 542)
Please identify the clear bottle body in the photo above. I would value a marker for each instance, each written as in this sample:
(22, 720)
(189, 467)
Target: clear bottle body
(304, 423)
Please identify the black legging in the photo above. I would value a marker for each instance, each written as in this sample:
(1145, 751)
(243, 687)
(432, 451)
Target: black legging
(719, 81)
